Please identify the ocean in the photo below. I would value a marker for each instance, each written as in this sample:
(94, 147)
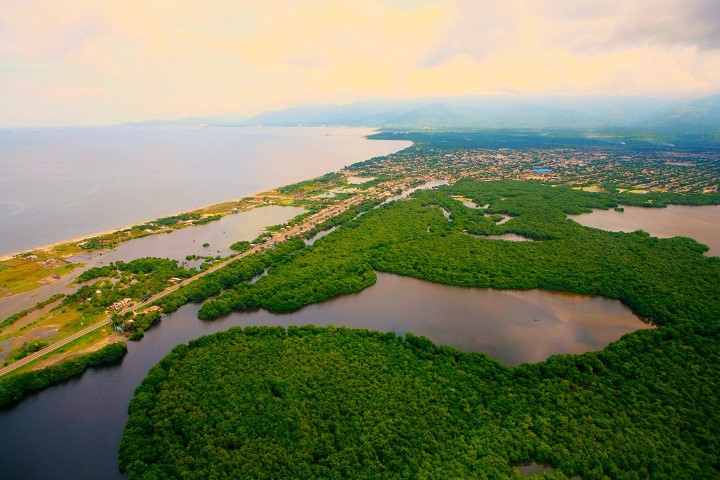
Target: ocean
(63, 183)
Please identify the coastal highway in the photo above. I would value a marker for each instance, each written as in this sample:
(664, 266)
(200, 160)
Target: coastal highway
(308, 224)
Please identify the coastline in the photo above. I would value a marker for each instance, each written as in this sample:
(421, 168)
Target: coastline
(110, 231)
(50, 246)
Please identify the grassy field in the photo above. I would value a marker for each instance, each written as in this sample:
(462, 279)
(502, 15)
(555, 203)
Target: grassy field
(89, 343)
(20, 274)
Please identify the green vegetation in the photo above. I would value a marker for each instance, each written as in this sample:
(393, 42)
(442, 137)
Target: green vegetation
(336, 403)
(312, 184)
(136, 324)
(26, 349)
(241, 246)
(665, 280)
(236, 273)
(208, 219)
(13, 388)
(183, 217)
(330, 403)
(134, 280)
(262, 237)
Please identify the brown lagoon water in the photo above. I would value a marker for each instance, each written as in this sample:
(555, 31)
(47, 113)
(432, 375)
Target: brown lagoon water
(65, 183)
(699, 223)
(72, 430)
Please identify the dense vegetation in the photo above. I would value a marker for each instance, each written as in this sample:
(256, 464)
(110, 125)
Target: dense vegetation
(312, 184)
(665, 280)
(13, 388)
(135, 280)
(533, 138)
(337, 403)
(234, 274)
(341, 404)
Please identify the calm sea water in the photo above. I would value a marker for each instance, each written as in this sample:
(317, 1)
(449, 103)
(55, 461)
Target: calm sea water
(58, 184)
(72, 430)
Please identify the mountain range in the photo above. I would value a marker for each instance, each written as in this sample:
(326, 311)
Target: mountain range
(683, 116)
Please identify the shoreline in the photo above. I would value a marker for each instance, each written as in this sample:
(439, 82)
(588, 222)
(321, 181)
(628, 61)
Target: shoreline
(10, 256)
(48, 247)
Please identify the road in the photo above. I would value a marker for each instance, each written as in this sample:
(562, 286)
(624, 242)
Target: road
(297, 230)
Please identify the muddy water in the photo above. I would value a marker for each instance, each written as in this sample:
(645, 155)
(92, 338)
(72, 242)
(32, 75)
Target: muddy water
(72, 429)
(699, 223)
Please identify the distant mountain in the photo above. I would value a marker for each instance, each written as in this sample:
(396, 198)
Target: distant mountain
(588, 113)
(487, 113)
(475, 112)
(214, 120)
(699, 116)
(579, 113)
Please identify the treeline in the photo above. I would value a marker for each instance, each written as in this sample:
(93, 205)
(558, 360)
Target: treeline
(337, 403)
(14, 387)
(666, 280)
(237, 272)
(334, 403)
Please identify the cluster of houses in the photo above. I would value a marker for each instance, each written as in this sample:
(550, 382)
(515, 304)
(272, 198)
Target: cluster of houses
(120, 304)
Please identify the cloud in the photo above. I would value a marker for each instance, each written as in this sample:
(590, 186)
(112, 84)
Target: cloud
(116, 61)
(615, 24)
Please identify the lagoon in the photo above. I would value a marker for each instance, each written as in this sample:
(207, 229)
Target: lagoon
(700, 223)
(72, 429)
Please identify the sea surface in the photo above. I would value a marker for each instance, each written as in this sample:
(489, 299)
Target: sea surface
(63, 183)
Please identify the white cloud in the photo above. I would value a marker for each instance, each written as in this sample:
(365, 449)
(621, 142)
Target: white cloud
(115, 61)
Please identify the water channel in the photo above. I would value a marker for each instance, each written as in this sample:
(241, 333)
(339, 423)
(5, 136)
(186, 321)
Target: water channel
(175, 245)
(72, 430)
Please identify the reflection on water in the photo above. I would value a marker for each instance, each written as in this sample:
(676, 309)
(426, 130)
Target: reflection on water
(699, 223)
(80, 422)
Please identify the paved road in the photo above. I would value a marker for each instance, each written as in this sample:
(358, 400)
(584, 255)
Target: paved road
(293, 231)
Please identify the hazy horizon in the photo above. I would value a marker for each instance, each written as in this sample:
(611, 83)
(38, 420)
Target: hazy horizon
(92, 63)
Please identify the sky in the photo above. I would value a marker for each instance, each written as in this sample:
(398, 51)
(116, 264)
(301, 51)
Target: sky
(77, 62)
